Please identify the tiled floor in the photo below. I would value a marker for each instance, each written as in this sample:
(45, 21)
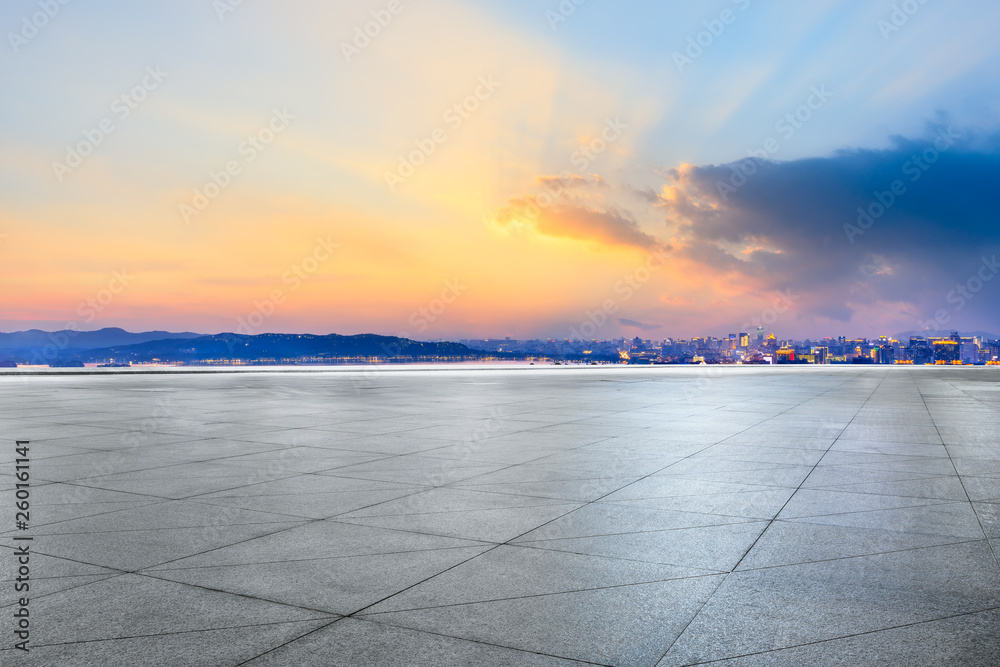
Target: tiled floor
(530, 516)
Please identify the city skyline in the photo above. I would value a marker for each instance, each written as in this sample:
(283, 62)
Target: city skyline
(576, 335)
(450, 170)
(116, 347)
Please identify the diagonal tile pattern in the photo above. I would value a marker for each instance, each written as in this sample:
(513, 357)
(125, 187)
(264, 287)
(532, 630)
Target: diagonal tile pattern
(509, 516)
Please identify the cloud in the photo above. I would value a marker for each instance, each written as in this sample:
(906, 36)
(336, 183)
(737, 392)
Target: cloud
(645, 194)
(576, 222)
(835, 228)
(633, 324)
(878, 239)
(572, 181)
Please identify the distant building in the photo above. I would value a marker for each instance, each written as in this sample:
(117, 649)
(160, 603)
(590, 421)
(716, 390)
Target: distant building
(968, 353)
(920, 351)
(884, 354)
(946, 350)
(785, 355)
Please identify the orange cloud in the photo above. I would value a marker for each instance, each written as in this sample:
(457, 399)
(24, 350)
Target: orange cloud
(575, 222)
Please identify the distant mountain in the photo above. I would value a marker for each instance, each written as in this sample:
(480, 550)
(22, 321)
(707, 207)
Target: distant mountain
(905, 336)
(81, 340)
(271, 348)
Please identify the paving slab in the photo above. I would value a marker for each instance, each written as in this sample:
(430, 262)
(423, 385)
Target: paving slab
(447, 515)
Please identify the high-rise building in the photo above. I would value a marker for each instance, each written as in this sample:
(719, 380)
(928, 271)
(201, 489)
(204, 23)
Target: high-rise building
(968, 353)
(744, 340)
(884, 354)
(946, 350)
(760, 336)
(785, 355)
(919, 350)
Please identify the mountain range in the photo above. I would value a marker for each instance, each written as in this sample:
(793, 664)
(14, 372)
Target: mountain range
(251, 348)
(76, 348)
(67, 339)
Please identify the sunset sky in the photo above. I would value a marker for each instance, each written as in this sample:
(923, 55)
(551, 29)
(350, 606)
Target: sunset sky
(500, 168)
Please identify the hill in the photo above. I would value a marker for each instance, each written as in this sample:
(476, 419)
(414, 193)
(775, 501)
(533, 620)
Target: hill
(277, 348)
(82, 340)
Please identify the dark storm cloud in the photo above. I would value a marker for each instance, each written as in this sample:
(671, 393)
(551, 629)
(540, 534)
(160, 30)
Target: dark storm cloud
(904, 224)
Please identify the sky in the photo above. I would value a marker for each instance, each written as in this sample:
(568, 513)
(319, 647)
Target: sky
(444, 170)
